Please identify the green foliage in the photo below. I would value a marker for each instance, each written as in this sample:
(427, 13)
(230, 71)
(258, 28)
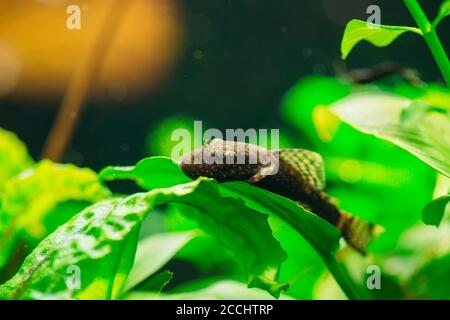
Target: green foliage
(383, 146)
(382, 35)
(423, 132)
(29, 198)
(96, 239)
(428, 282)
(379, 35)
(241, 229)
(169, 174)
(14, 157)
(94, 242)
(153, 253)
(435, 210)
(362, 171)
(221, 290)
(157, 282)
(444, 11)
(322, 236)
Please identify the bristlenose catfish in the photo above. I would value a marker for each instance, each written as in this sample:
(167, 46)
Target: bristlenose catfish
(297, 174)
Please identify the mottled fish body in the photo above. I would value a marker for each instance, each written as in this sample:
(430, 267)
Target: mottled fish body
(297, 174)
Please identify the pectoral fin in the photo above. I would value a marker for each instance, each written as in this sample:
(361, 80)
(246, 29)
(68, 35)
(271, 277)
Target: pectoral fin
(262, 173)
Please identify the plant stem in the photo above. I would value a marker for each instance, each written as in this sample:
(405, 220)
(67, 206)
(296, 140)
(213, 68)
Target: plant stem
(84, 76)
(431, 38)
(342, 278)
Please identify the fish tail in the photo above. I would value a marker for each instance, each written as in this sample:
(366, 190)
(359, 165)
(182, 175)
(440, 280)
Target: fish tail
(357, 232)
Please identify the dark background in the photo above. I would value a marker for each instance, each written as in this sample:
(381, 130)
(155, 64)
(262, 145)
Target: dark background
(253, 52)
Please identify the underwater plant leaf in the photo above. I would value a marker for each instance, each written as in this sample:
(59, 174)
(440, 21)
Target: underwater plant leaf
(319, 233)
(422, 131)
(322, 236)
(218, 290)
(94, 238)
(434, 211)
(444, 11)
(30, 197)
(378, 35)
(14, 156)
(431, 282)
(168, 173)
(154, 252)
(157, 282)
(90, 243)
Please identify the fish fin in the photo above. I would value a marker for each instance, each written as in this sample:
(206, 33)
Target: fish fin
(334, 201)
(357, 232)
(308, 164)
(262, 173)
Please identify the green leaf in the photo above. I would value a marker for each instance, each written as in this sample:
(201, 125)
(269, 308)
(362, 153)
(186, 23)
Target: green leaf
(431, 282)
(14, 156)
(321, 235)
(92, 243)
(169, 173)
(154, 252)
(444, 11)
(93, 239)
(427, 135)
(433, 213)
(29, 198)
(157, 282)
(378, 35)
(222, 290)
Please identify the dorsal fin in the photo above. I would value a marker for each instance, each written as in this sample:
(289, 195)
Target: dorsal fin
(308, 164)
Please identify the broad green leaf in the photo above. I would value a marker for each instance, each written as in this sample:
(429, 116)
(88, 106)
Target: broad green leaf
(426, 136)
(356, 171)
(93, 239)
(157, 282)
(444, 11)
(300, 103)
(121, 262)
(154, 252)
(433, 213)
(14, 156)
(431, 282)
(31, 195)
(91, 243)
(319, 233)
(29, 198)
(222, 290)
(169, 174)
(378, 35)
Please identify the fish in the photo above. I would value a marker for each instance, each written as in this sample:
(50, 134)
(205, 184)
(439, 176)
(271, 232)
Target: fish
(297, 174)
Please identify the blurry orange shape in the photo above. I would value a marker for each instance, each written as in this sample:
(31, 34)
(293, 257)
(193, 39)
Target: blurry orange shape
(10, 67)
(42, 52)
